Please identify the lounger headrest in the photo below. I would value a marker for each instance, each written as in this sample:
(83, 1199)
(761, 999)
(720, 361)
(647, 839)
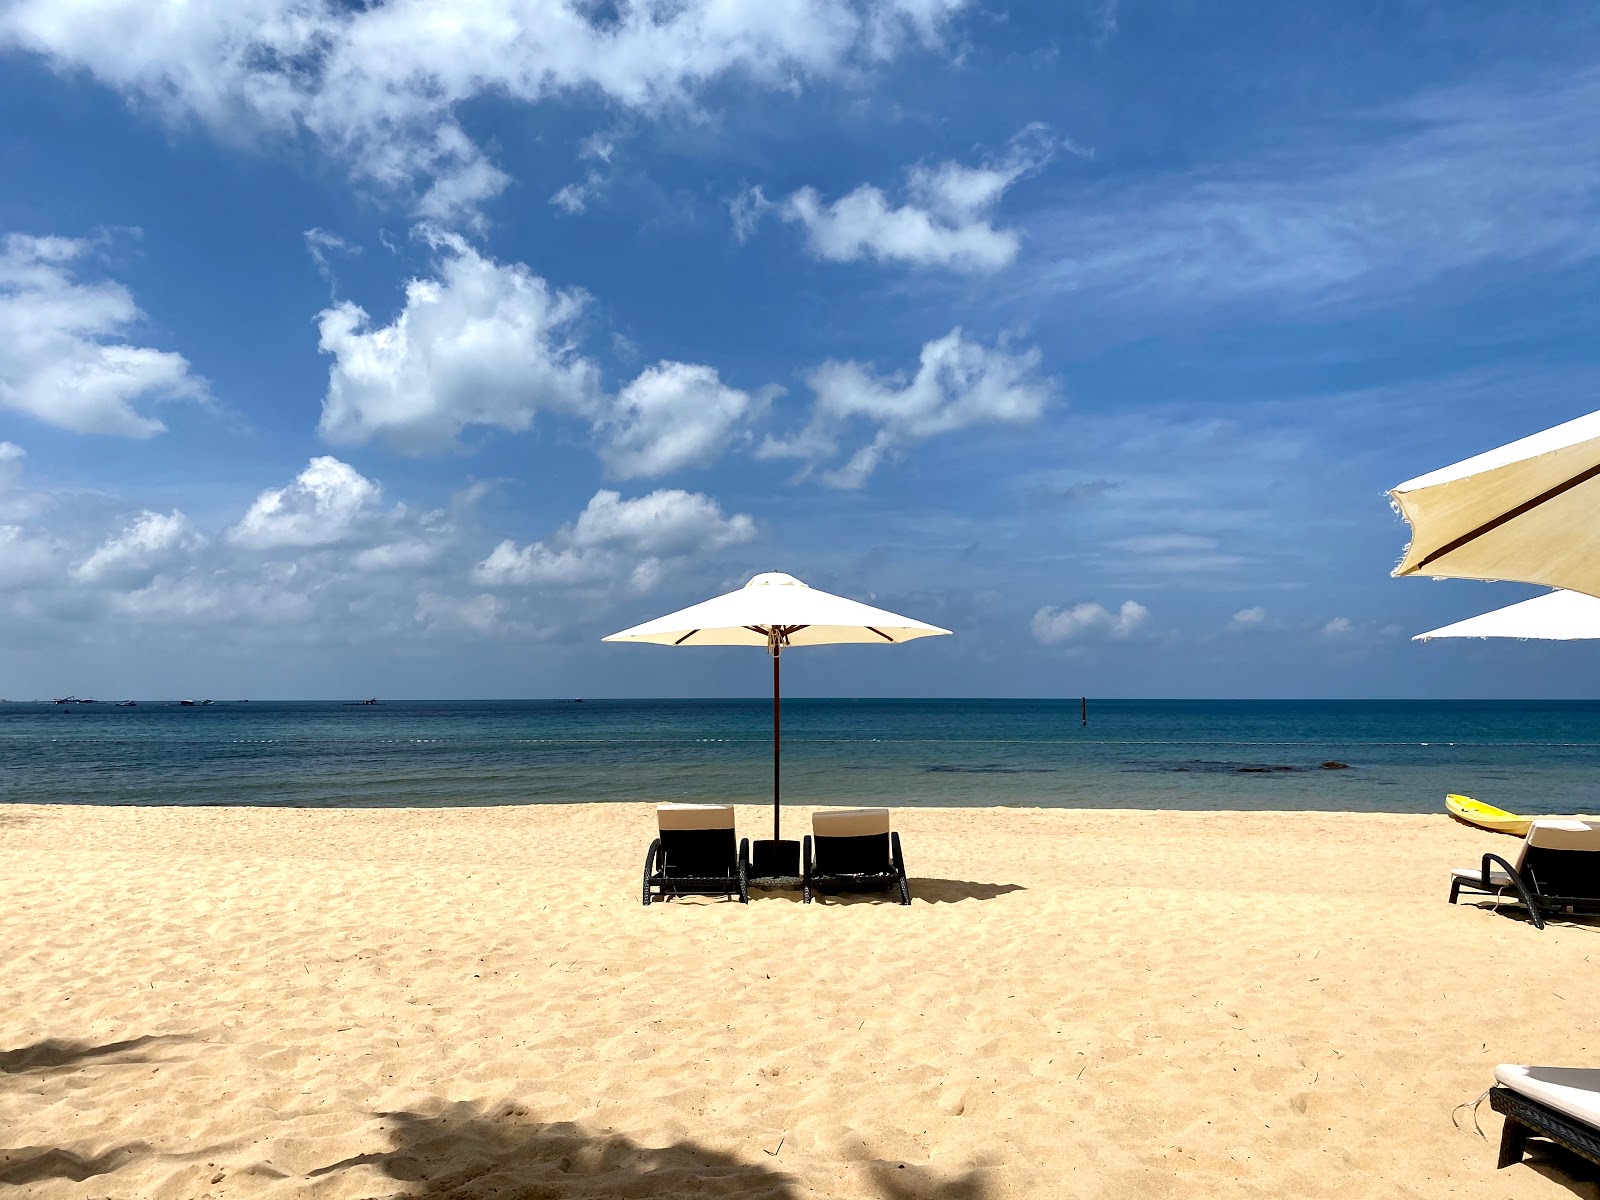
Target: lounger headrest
(694, 816)
(1564, 835)
(850, 822)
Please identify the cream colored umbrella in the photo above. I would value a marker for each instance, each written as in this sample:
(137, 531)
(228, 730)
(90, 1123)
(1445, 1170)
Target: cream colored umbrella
(777, 612)
(1528, 511)
(1556, 616)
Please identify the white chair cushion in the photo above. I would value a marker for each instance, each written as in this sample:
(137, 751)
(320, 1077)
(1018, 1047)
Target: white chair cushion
(1574, 1091)
(1497, 877)
(850, 822)
(694, 816)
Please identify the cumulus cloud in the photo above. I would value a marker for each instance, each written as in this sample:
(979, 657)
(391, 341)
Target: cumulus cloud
(615, 541)
(152, 541)
(482, 343)
(379, 85)
(327, 504)
(1248, 618)
(673, 415)
(1052, 625)
(1338, 627)
(945, 220)
(64, 358)
(958, 383)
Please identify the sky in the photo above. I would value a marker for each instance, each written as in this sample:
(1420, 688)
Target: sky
(406, 349)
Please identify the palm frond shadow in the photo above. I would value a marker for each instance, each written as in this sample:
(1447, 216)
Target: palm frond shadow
(35, 1164)
(54, 1053)
(465, 1151)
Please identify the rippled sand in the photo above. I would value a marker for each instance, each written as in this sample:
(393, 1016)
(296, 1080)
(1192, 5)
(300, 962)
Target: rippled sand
(473, 1003)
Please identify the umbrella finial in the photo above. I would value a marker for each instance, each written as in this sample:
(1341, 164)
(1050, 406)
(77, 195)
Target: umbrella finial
(774, 579)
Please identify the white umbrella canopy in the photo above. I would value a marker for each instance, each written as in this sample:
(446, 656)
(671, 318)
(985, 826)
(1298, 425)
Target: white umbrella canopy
(777, 611)
(778, 606)
(1557, 616)
(1527, 511)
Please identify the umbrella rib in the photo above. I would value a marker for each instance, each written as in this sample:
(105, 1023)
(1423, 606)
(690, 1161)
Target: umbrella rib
(1508, 515)
(881, 634)
(686, 637)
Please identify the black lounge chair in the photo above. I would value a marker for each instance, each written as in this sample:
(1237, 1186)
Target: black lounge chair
(1558, 1103)
(852, 850)
(695, 855)
(1557, 871)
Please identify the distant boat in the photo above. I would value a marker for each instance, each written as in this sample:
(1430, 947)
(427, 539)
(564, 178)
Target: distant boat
(186, 703)
(87, 700)
(127, 704)
(205, 702)
(372, 700)
(65, 700)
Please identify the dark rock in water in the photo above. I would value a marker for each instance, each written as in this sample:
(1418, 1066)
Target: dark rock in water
(1331, 765)
(1262, 770)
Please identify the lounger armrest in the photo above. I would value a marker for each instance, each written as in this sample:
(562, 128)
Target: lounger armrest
(1495, 859)
(895, 856)
(651, 856)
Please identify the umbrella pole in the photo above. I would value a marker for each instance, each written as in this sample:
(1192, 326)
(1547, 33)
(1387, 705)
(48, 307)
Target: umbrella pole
(776, 744)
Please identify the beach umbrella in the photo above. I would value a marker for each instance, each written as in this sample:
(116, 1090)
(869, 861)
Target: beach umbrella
(1557, 616)
(1528, 511)
(777, 612)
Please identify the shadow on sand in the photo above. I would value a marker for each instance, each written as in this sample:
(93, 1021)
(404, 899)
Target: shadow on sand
(927, 891)
(465, 1151)
(24, 1165)
(55, 1053)
(35, 1164)
(1565, 1169)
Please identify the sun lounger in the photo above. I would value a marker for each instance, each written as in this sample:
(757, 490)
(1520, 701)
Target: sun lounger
(1557, 870)
(695, 854)
(852, 850)
(1559, 1103)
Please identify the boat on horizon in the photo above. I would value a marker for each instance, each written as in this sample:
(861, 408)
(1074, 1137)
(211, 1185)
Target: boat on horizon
(127, 704)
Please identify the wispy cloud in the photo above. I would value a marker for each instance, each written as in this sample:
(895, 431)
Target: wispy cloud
(1451, 180)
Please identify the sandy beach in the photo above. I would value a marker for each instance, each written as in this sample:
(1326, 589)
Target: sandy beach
(214, 1002)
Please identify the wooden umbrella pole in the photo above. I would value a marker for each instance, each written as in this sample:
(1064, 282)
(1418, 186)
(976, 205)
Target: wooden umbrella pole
(776, 744)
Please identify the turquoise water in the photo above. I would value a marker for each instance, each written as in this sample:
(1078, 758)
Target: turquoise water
(1403, 756)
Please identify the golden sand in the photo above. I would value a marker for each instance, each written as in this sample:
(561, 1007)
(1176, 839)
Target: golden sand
(474, 1003)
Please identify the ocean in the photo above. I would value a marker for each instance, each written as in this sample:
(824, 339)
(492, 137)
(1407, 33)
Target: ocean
(1400, 756)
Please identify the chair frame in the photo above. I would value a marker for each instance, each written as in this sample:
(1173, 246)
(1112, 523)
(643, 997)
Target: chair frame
(814, 881)
(658, 885)
(1526, 884)
(1525, 1117)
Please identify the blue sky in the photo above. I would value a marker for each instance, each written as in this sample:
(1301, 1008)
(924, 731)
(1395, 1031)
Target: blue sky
(409, 348)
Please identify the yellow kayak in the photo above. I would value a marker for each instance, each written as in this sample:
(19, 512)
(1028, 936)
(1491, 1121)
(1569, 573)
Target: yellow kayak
(1487, 816)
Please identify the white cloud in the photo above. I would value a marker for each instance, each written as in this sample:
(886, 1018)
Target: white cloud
(152, 541)
(63, 359)
(379, 85)
(396, 556)
(481, 614)
(673, 415)
(1248, 618)
(1338, 627)
(615, 540)
(958, 384)
(483, 343)
(26, 559)
(328, 504)
(1052, 625)
(945, 221)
